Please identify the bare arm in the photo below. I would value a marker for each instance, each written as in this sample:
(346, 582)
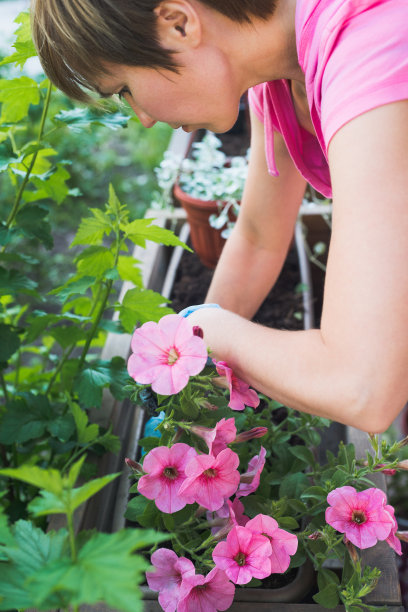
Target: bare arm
(354, 369)
(254, 254)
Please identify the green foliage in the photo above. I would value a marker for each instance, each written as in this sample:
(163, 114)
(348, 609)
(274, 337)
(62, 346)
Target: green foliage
(52, 328)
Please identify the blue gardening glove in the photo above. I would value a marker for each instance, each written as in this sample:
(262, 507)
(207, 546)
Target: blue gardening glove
(190, 309)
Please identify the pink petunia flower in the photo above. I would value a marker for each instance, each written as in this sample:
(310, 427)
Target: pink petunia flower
(166, 354)
(250, 480)
(170, 571)
(218, 437)
(165, 469)
(211, 479)
(206, 593)
(244, 555)
(283, 543)
(226, 517)
(240, 393)
(392, 539)
(362, 516)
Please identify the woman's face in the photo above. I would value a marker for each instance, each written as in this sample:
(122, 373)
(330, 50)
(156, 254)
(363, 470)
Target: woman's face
(202, 95)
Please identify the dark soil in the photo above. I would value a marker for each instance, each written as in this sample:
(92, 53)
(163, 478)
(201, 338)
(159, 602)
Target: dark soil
(282, 309)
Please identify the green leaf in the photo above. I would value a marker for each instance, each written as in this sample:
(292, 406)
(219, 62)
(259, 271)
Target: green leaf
(139, 306)
(92, 229)
(106, 570)
(95, 261)
(30, 551)
(31, 219)
(39, 320)
(90, 382)
(303, 453)
(24, 46)
(7, 155)
(17, 95)
(13, 282)
(293, 485)
(79, 118)
(136, 507)
(66, 335)
(49, 480)
(140, 230)
(328, 597)
(288, 522)
(9, 341)
(314, 493)
(52, 184)
(75, 286)
(26, 419)
(86, 433)
(128, 268)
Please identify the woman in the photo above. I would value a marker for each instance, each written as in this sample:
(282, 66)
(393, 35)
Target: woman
(329, 106)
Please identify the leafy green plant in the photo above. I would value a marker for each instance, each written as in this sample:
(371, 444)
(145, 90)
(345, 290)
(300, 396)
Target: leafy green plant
(50, 370)
(59, 569)
(207, 175)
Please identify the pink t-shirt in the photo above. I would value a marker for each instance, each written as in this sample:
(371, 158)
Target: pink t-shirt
(354, 54)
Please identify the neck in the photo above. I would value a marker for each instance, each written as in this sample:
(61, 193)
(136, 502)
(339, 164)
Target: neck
(264, 50)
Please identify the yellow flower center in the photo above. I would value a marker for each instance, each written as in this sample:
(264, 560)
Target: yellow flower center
(172, 356)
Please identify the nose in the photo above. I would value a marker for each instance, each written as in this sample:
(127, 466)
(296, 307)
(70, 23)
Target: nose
(144, 118)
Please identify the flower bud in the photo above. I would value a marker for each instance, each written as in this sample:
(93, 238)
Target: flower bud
(133, 465)
(387, 471)
(197, 331)
(316, 535)
(221, 381)
(351, 549)
(255, 432)
(403, 465)
(402, 535)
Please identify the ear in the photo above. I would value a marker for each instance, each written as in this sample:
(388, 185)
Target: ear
(178, 24)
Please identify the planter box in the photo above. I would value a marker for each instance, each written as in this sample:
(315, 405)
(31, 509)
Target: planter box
(159, 269)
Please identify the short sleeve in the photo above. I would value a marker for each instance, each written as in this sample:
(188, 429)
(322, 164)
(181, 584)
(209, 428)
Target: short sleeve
(367, 65)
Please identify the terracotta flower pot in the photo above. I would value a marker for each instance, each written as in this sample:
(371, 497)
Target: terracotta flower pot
(207, 241)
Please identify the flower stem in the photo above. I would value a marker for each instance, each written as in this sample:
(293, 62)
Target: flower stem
(20, 192)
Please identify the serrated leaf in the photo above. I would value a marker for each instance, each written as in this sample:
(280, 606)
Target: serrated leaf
(90, 382)
(78, 119)
(140, 230)
(67, 501)
(24, 46)
(95, 261)
(128, 268)
(17, 95)
(9, 341)
(52, 184)
(30, 551)
(139, 306)
(41, 164)
(76, 286)
(106, 570)
(92, 229)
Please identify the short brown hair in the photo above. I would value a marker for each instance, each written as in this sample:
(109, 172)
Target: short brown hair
(75, 38)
